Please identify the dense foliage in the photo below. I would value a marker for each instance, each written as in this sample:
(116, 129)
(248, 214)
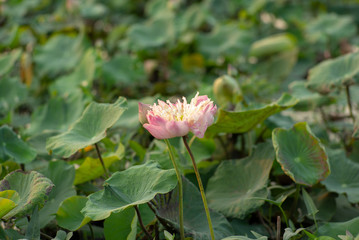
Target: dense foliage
(281, 160)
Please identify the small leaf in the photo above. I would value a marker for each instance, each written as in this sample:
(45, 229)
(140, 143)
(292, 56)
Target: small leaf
(88, 129)
(6, 206)
(13, 147)
(69, 214)
(309, 204)
(288, 233)
(333, 73)
(8, 201)
(168, 235)
(301, 154)
(247, 176)
(243, 121)
(135, 185)
(61, 235)
(121, 226)
(32, 188)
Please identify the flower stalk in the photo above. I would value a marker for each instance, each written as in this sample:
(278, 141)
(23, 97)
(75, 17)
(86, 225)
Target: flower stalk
(180, 187)
(200, 187)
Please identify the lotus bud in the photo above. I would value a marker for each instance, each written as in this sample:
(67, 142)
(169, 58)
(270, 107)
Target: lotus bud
(226, 90)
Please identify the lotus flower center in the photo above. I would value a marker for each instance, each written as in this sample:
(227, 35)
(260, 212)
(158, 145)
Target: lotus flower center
(180, 111)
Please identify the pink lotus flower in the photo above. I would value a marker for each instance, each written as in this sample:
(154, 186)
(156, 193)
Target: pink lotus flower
(167, 120)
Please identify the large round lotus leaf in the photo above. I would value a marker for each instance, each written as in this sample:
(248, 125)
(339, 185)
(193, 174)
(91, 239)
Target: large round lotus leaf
(236, 182)
(333, 229)
(225, 40)
(82, 76)
(195, 221)
(330, 27)
(13, 147)
(56, 46)
(333, 73)
(69, 214)
(32, 188)
(344, 177)
(136, 185)
(243, 121)
(64, 188)
(152, 34)
(57, 114)
(88, 129)
(301, 155)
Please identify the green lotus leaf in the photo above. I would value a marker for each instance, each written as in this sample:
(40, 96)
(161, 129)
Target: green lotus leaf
(64, 188)
(56, 46)
(235, 184)
(12, 93)
(333, 229)
(131, 71)
(88, 129)
(82, 76)
(11, 146)
(32, 187)
(243, 121)
(330, 27)
(195, 221)
(6, 206)
(301, 155)
(333, 73)
(57, 114)
(135, 185)
(308, 100)
(344, 177)
(69, 214)
(7, 60)
(8, 201)
(152, 34)
(121, 226)
(224, 40)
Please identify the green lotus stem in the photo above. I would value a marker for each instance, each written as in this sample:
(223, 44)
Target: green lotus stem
(347, 91)
(141, 222)
(180, 188)
(101, 160)
(200, 187)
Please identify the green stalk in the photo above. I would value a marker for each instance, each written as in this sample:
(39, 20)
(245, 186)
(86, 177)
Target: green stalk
(200, 187)
(179, 178)
(102, 162)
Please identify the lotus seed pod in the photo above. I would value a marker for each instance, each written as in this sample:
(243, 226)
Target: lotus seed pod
(226, 90)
